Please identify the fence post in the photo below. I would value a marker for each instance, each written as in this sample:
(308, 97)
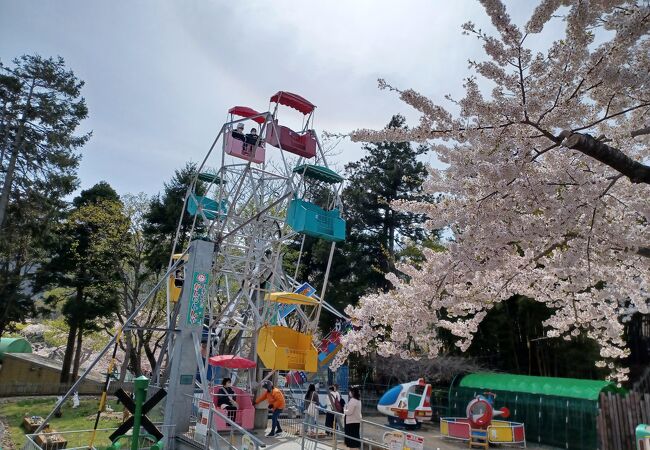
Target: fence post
(361, 434)
(208, 435)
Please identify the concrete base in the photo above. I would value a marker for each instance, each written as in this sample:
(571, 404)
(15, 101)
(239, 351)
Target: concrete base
(261, 419)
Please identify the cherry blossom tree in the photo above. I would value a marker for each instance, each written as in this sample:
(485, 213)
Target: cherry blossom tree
(546, 190)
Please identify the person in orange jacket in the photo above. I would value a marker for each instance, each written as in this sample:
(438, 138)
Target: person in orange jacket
(275, 397)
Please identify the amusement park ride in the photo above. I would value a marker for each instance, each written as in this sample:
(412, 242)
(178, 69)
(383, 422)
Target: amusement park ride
(407, 404)
(479, 426)
(229, 286)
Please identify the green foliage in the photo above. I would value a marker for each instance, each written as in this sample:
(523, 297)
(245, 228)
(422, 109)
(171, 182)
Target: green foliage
(162, 218)
(512, 339)
(55, 331)
(101, 191)
(40, 109)
(413, 253)
(85, 257)
(377, 234)
(90, 245)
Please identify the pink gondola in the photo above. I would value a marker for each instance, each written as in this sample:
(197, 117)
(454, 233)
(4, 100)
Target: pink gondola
(243, 150)
(244, 415)
(302, 143)
(238, 147)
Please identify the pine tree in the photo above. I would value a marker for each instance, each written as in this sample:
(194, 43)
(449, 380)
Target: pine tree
(40, 108)
(162, 218)
(377, 235)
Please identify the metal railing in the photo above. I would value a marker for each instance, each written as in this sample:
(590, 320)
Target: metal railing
(81, 439)
(370, 433)
(243, 439)
(203, 431)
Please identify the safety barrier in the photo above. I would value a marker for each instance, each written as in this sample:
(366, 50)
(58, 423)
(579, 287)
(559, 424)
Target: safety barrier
(372, 434)
(503, 432)
(499, 431)
(455, 427)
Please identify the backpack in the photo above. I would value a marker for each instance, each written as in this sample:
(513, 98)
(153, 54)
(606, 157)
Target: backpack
(336, 403)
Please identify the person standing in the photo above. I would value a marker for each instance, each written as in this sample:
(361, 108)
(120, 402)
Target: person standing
(311, 409)
(334, 405)
(339, 419)
(353, 419)
(226, 398)
(275, 397)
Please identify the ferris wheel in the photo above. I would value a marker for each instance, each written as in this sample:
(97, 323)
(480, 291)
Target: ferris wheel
(254, 194)
(268, 188)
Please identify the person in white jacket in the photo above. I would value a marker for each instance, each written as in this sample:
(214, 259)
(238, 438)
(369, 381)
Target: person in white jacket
(353, 419)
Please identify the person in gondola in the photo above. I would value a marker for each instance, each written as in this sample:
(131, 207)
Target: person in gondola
(238, 133)
(250, 143)
(226, 398)
(251, 138)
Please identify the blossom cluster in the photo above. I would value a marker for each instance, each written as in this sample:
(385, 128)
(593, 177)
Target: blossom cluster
(527, 215)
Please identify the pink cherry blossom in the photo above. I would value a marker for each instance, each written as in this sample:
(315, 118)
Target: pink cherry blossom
(528, 215)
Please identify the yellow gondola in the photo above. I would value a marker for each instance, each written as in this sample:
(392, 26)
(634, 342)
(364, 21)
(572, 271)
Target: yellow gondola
(291, 298)
(281, 348)
(176, 279)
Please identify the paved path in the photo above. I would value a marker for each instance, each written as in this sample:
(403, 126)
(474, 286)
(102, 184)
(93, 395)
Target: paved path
(433, 441)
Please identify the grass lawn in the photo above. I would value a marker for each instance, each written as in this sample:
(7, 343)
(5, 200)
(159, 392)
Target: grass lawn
(81, 418)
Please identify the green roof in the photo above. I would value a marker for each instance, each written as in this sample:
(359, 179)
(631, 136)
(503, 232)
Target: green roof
(320, 173)
(14, 345)
(559, 387)
(209, 177)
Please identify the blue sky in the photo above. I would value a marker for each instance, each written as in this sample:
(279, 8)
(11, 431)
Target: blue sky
(160, 75)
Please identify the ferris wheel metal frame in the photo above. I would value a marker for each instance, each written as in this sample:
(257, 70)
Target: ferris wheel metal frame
(245, 217)
(236, 264)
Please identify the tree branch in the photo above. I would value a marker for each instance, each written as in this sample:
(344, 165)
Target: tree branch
(640, 131)
(610, 156)
(607, 117)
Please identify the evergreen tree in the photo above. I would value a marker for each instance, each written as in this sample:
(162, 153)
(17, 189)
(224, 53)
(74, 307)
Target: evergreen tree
(40, 108)
(162, 218)
(30, 223)
(377, 235)
(512, 338)
(87, 251)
